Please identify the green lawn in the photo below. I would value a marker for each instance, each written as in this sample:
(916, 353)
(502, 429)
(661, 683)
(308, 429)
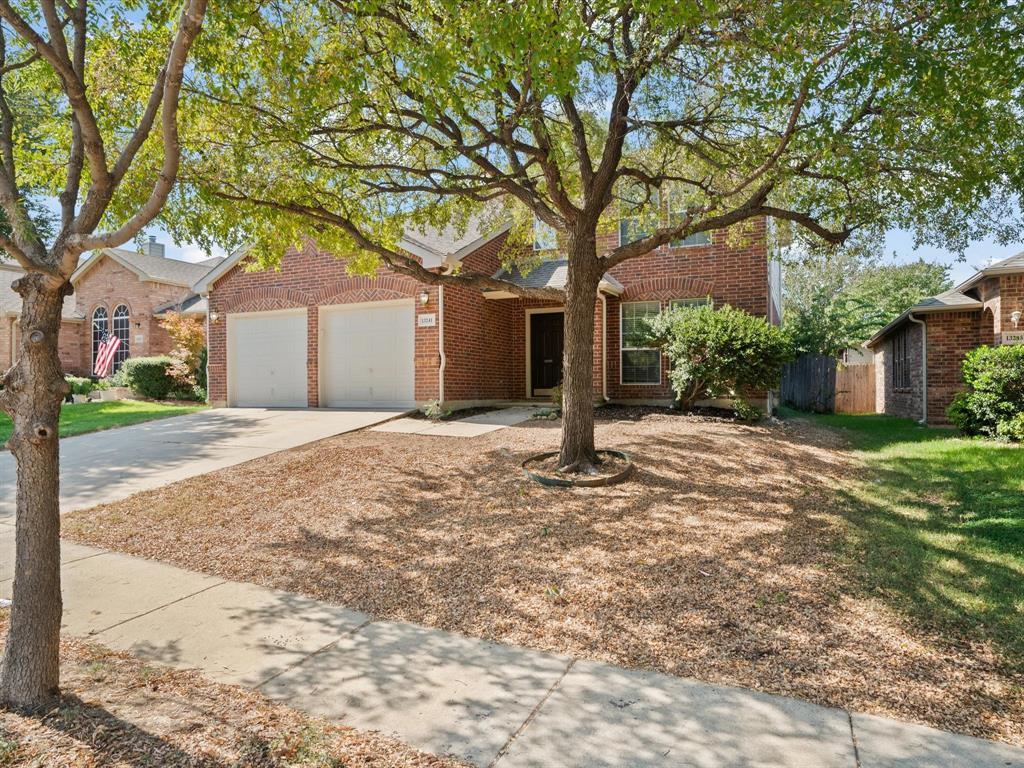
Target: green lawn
(938, 528)
(90, 417)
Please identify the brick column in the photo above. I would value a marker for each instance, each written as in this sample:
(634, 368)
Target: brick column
(313, 356)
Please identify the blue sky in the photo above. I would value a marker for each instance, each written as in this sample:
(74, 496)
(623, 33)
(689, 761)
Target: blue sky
(901, 244)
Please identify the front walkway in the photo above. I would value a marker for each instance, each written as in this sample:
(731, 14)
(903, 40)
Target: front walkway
(490, 704)
(107, 466)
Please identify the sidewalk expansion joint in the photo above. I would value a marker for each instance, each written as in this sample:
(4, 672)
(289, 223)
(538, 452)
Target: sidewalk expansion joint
(95, 632)
(315, 653)
(532, 716)
(853, 738)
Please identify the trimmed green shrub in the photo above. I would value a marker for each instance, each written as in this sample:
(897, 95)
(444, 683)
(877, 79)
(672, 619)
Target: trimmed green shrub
(149, 376)
(721, 352)
(993, 404)
(80, 386)
(195, 393)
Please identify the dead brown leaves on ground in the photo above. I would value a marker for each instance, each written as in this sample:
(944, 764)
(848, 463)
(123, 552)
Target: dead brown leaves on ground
(117, 712)
(721, 559)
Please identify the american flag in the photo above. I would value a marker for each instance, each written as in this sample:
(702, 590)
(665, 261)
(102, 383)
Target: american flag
(105, 355)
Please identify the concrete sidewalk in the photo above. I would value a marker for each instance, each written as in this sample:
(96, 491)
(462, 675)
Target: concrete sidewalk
(114, 464)
(490, 704)
(471, 426)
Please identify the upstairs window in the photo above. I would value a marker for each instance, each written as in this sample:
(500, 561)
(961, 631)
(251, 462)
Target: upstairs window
(639, 215)
(122, 326)
(640, 363)
(100, 326)
(676, 216)
(545, 237)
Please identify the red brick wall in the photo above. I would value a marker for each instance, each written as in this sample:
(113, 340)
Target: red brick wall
(951, 335)
(906, 401)
(478, 336)
(1011, 299)
(311, 279)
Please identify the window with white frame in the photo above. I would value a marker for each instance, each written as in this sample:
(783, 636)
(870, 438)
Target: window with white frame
(121, 329)
(639, 216)
(545, 237)
(703, 301)
(100, 327)
(640, 362)
(676, 215)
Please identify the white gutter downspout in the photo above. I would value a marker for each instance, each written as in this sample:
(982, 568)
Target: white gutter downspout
(924, 366)
(604, 345)
(440, 344)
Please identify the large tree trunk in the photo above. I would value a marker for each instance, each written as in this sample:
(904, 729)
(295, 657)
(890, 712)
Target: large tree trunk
(577, 452)
(34, 390)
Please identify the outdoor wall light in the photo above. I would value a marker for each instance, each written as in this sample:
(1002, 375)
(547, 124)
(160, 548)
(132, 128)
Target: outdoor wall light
(1015, 317)
(425, 297)
(214, 317)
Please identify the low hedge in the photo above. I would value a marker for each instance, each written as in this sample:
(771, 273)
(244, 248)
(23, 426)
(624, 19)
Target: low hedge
(148, 376)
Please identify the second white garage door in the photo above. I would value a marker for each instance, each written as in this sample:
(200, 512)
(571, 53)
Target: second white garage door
(267, 359)
(367, 355)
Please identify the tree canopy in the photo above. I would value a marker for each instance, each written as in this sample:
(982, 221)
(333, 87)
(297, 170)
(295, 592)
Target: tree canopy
(837, 299)
(354, 120)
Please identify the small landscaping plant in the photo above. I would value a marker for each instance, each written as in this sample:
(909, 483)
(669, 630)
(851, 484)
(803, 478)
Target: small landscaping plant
(993, 404)
(79, 385)
(720, 352)
(435, 411)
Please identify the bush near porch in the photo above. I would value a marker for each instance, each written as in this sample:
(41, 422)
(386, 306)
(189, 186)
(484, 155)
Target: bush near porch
(993, 404)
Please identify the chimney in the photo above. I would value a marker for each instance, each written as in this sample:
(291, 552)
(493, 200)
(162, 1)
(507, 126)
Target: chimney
(153, 248)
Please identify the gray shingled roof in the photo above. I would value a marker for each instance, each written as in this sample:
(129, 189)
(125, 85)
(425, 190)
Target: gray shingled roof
(191, 305)
(549, 274)
(450, 240)
(10, 302)
(159, 269)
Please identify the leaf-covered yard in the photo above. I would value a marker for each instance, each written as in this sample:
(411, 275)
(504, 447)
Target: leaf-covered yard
(749, 555)
(80, 418)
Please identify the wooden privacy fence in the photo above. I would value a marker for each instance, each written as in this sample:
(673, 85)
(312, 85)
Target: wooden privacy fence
(855, 389)
(817, 383)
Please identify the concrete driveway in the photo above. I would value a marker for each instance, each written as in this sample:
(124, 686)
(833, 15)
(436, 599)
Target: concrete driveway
(111, 465)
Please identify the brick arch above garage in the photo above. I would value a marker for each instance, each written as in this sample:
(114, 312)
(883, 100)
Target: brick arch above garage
(265, 299)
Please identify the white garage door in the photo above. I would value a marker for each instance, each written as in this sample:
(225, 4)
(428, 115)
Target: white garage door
(267, 359)
(367, 355)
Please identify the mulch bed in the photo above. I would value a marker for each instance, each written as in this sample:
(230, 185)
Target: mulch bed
(117, 711)
(724, 557)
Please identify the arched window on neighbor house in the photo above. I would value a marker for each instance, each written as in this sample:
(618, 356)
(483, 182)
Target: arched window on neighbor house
(99, 327)
(122, 326)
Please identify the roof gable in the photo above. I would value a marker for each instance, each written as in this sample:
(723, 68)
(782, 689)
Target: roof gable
(157, 269)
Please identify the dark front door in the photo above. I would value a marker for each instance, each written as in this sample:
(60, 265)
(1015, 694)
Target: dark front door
(546, 335)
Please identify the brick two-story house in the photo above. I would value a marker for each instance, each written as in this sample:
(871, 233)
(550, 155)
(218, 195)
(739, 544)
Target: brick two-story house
(117, 291)
(918, 355)
(310, 334)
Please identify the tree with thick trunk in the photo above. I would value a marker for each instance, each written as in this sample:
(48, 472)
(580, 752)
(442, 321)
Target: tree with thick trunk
(352, 121)
(116, 152)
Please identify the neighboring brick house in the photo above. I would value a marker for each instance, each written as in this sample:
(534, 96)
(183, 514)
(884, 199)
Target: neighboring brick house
(127, 294)
(116, 291)
(918, 355)
(310, 334)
